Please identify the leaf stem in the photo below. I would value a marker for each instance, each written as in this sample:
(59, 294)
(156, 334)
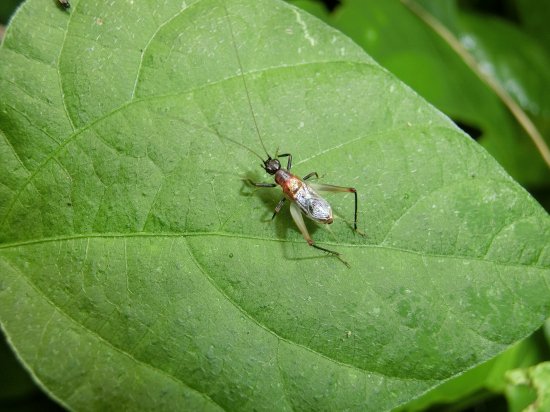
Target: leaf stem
(472, 63)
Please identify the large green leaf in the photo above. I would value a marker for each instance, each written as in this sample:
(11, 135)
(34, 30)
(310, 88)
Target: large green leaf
(138, 270)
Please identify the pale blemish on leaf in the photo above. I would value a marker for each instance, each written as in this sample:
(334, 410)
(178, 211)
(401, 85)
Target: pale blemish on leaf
(303, 25)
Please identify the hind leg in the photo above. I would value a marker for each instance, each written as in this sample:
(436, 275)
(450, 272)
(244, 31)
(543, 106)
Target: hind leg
(332, 188)
(299, 220)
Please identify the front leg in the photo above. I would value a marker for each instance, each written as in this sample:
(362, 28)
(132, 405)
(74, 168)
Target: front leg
(289, 163)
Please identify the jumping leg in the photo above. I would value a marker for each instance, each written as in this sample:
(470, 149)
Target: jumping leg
(299, 220)
(331, 188)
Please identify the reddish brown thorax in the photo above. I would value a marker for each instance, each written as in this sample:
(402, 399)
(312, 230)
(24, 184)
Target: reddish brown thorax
(289, 183)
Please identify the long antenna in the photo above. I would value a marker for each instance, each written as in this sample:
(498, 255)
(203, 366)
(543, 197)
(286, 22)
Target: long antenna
(244, 80)
(219, 135)
(243, 146)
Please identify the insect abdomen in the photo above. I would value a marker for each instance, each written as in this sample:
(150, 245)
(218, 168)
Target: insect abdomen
(319, 210)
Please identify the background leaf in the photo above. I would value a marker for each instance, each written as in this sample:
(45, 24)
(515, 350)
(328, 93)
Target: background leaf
(6, 9)
(528, 389)
(404, 44)
(139, 271)
(533, 16)
(480, 384)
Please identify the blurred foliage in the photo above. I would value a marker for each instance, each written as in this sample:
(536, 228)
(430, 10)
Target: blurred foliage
(529, 388)
(7, 8)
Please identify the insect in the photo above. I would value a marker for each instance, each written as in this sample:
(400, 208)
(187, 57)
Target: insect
(65, 4)
(303, 196)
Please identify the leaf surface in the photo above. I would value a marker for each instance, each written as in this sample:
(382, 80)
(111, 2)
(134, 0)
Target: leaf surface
(138, 270)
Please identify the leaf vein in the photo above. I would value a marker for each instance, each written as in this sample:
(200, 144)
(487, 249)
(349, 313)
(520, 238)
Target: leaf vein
(146, 47)
(58, 66)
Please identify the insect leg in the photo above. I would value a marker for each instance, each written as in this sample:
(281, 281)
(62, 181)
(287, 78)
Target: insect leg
(278, 207)
(331, 188)
(289, 163)
(261, 184)
(311, 175)
(299, 220)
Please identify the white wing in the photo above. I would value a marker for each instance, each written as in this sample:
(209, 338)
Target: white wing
(313, 205)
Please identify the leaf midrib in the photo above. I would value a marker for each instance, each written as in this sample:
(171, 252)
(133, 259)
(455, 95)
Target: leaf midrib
(113, 235)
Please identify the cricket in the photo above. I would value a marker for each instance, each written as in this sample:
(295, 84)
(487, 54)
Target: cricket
(303, 198)
(302, 195)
